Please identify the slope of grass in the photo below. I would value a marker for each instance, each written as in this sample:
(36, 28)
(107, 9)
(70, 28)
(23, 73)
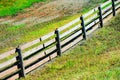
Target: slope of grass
(12, 7)
(12, 36)
(97, 59)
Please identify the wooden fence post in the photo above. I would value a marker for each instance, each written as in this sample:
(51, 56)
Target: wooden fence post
(83, 27)
(20, 63)
(113, 7)
(59, 52)
(100, 16)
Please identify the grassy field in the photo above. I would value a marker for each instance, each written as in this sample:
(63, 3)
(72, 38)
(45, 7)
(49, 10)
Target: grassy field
(12, 36)
(12, 7)
(96, 59)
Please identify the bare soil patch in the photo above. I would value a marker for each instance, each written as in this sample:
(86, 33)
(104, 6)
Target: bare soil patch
(42, 12)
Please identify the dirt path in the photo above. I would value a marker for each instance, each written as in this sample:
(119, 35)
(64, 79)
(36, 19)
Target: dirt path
(42, 12)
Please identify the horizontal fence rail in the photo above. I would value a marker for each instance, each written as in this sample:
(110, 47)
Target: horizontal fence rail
(32, 55)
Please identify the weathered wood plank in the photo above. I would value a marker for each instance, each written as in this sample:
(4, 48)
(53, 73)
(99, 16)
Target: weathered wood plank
(37, 65)
(34, 58)
(90, 18)
(53, 55)
(49, 42)
(47, 36)
(90, 12)
(8, 71)
(50, 49)
(6, 54)
(106, 14)
(32, 51)
(91, 24)
(29, 44)
(10, 75)
(92, 30)
(7, 67)
(106, 19)
(69, 31)
(107, 8)
(118, 6)
(106, 3)
(14, 77)
(116, 2)
(4, 64)
(72, 43)
(69, 24)
(71, 37)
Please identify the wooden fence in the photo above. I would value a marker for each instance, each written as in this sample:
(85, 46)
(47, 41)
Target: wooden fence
(38, 52)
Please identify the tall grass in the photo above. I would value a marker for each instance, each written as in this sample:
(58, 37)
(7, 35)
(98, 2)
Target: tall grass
(96, 59)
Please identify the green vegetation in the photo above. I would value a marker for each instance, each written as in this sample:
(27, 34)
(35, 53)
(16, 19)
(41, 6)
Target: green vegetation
(12, 36)
(21, 34)
(96, 59)
(12, 7)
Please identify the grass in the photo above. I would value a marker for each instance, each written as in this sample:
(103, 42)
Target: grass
(12, 7)
(96, 59)
(21, 34)
(12, 36)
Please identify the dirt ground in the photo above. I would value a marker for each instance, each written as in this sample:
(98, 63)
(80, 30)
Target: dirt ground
(42, 12)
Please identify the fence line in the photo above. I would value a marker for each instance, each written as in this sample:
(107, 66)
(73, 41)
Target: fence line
(40, 51)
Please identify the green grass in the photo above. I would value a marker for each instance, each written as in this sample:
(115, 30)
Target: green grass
(21, 34)
(12, 36)
(96, 59)
(12, 7)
